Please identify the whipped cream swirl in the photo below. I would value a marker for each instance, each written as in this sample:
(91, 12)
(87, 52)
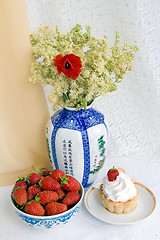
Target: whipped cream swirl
(120, 190)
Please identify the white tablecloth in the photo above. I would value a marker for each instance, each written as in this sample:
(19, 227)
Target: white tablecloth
(84, 225)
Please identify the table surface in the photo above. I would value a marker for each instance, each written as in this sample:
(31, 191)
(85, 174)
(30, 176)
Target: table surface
(84, 225)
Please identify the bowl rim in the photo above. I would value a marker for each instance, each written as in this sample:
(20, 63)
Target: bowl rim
(51, 216)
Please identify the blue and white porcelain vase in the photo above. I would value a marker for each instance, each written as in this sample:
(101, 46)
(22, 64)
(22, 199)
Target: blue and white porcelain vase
(77, 143)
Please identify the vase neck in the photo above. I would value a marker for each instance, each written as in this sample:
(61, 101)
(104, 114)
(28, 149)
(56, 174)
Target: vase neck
(74, 109)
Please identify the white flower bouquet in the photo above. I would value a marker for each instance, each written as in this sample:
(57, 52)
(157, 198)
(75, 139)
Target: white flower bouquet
(79, 66)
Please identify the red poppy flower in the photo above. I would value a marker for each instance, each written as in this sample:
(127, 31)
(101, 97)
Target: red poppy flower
(70, 65)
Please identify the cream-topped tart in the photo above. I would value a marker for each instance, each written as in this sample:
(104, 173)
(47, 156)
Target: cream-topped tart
(118, 192)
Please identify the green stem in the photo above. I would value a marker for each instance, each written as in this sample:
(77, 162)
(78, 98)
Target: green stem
(36, 170)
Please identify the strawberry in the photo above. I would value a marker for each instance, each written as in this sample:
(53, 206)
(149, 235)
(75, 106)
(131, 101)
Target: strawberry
(69, 183)
(48, 183)
(57, 174)
(33, 190)
(34, 208)
(54, 208)
(34, 178)
(20, 196)
(21, 183)
(46, 197)
(60, 193)
(46, 172)
(71, 198)
(112, 174)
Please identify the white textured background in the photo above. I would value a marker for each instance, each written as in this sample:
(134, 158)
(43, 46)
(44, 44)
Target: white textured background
(133, 111)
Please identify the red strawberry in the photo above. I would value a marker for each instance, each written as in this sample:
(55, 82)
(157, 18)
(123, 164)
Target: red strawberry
(34, 178)
(20, 196)
(21, 183)
(48, 183)
(69, 183)
(71, 198)
(34, 208)
(33, 190)
(46, 172)
(112, 174)
(60, 193)
(46, 197)
(54, 208)
(57, 174)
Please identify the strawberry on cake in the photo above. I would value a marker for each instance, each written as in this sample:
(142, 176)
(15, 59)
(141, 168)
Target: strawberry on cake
(117, 192)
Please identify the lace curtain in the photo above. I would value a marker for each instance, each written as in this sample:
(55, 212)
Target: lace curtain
(133, 111)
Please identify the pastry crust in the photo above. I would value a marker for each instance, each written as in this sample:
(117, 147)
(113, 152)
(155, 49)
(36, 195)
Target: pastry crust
(118, 207)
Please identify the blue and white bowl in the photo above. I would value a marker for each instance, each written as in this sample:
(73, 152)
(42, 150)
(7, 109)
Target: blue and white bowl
(50, 222)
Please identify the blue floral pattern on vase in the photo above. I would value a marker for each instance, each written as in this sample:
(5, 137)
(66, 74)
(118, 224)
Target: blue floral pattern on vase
(73, 143)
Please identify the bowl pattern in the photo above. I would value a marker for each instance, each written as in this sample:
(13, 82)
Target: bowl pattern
(48, 222)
